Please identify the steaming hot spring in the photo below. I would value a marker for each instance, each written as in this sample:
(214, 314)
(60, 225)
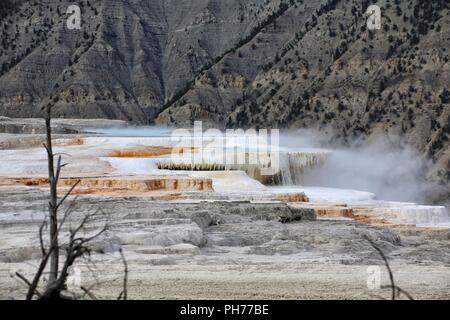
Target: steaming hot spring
(158, 163)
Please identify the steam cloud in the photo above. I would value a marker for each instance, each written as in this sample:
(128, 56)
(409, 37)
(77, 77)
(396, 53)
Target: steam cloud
(390, 169)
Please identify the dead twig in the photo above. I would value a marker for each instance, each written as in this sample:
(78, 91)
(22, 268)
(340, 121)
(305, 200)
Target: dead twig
(89, 293)
(41, 238)
(67, 194)
(395, 290)
(28, 283)
(124, 294)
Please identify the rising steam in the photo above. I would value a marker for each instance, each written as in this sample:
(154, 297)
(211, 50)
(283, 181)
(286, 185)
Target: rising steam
(390, 169)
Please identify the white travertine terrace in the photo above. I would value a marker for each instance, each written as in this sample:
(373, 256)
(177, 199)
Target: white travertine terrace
(206, 233)
(90, 159)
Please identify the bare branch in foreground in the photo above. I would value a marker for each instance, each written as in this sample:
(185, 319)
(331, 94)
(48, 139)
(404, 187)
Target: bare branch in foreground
(89, 293)
(28, 283)
(396, 291)
(77, 247)
(124, 294)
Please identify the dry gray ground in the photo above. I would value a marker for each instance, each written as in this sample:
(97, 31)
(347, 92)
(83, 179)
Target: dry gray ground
(227, 250)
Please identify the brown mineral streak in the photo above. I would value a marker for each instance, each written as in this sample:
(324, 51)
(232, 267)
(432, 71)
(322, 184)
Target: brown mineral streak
(149, 152)
(120, 184)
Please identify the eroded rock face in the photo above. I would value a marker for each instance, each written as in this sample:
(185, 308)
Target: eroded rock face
(36, 126)
(299, 197)
(120, 184)
(203, 219)
(205, 241)
(261, 228)
(128, 59)
(21, 254)
(166, 236)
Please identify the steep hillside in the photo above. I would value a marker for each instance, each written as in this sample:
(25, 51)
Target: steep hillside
(259, 63)
(336, 76)
(128, 59)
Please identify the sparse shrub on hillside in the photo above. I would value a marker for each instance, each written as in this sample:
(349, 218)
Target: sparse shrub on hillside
(445, 96)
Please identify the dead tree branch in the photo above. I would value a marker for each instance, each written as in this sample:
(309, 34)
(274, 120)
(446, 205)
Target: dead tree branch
(124, 294)
(395, 290)
(77, 245)
(89, 293)
(29, 284)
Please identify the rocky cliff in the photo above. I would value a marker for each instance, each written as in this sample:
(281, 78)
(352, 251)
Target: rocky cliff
(127, 60)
